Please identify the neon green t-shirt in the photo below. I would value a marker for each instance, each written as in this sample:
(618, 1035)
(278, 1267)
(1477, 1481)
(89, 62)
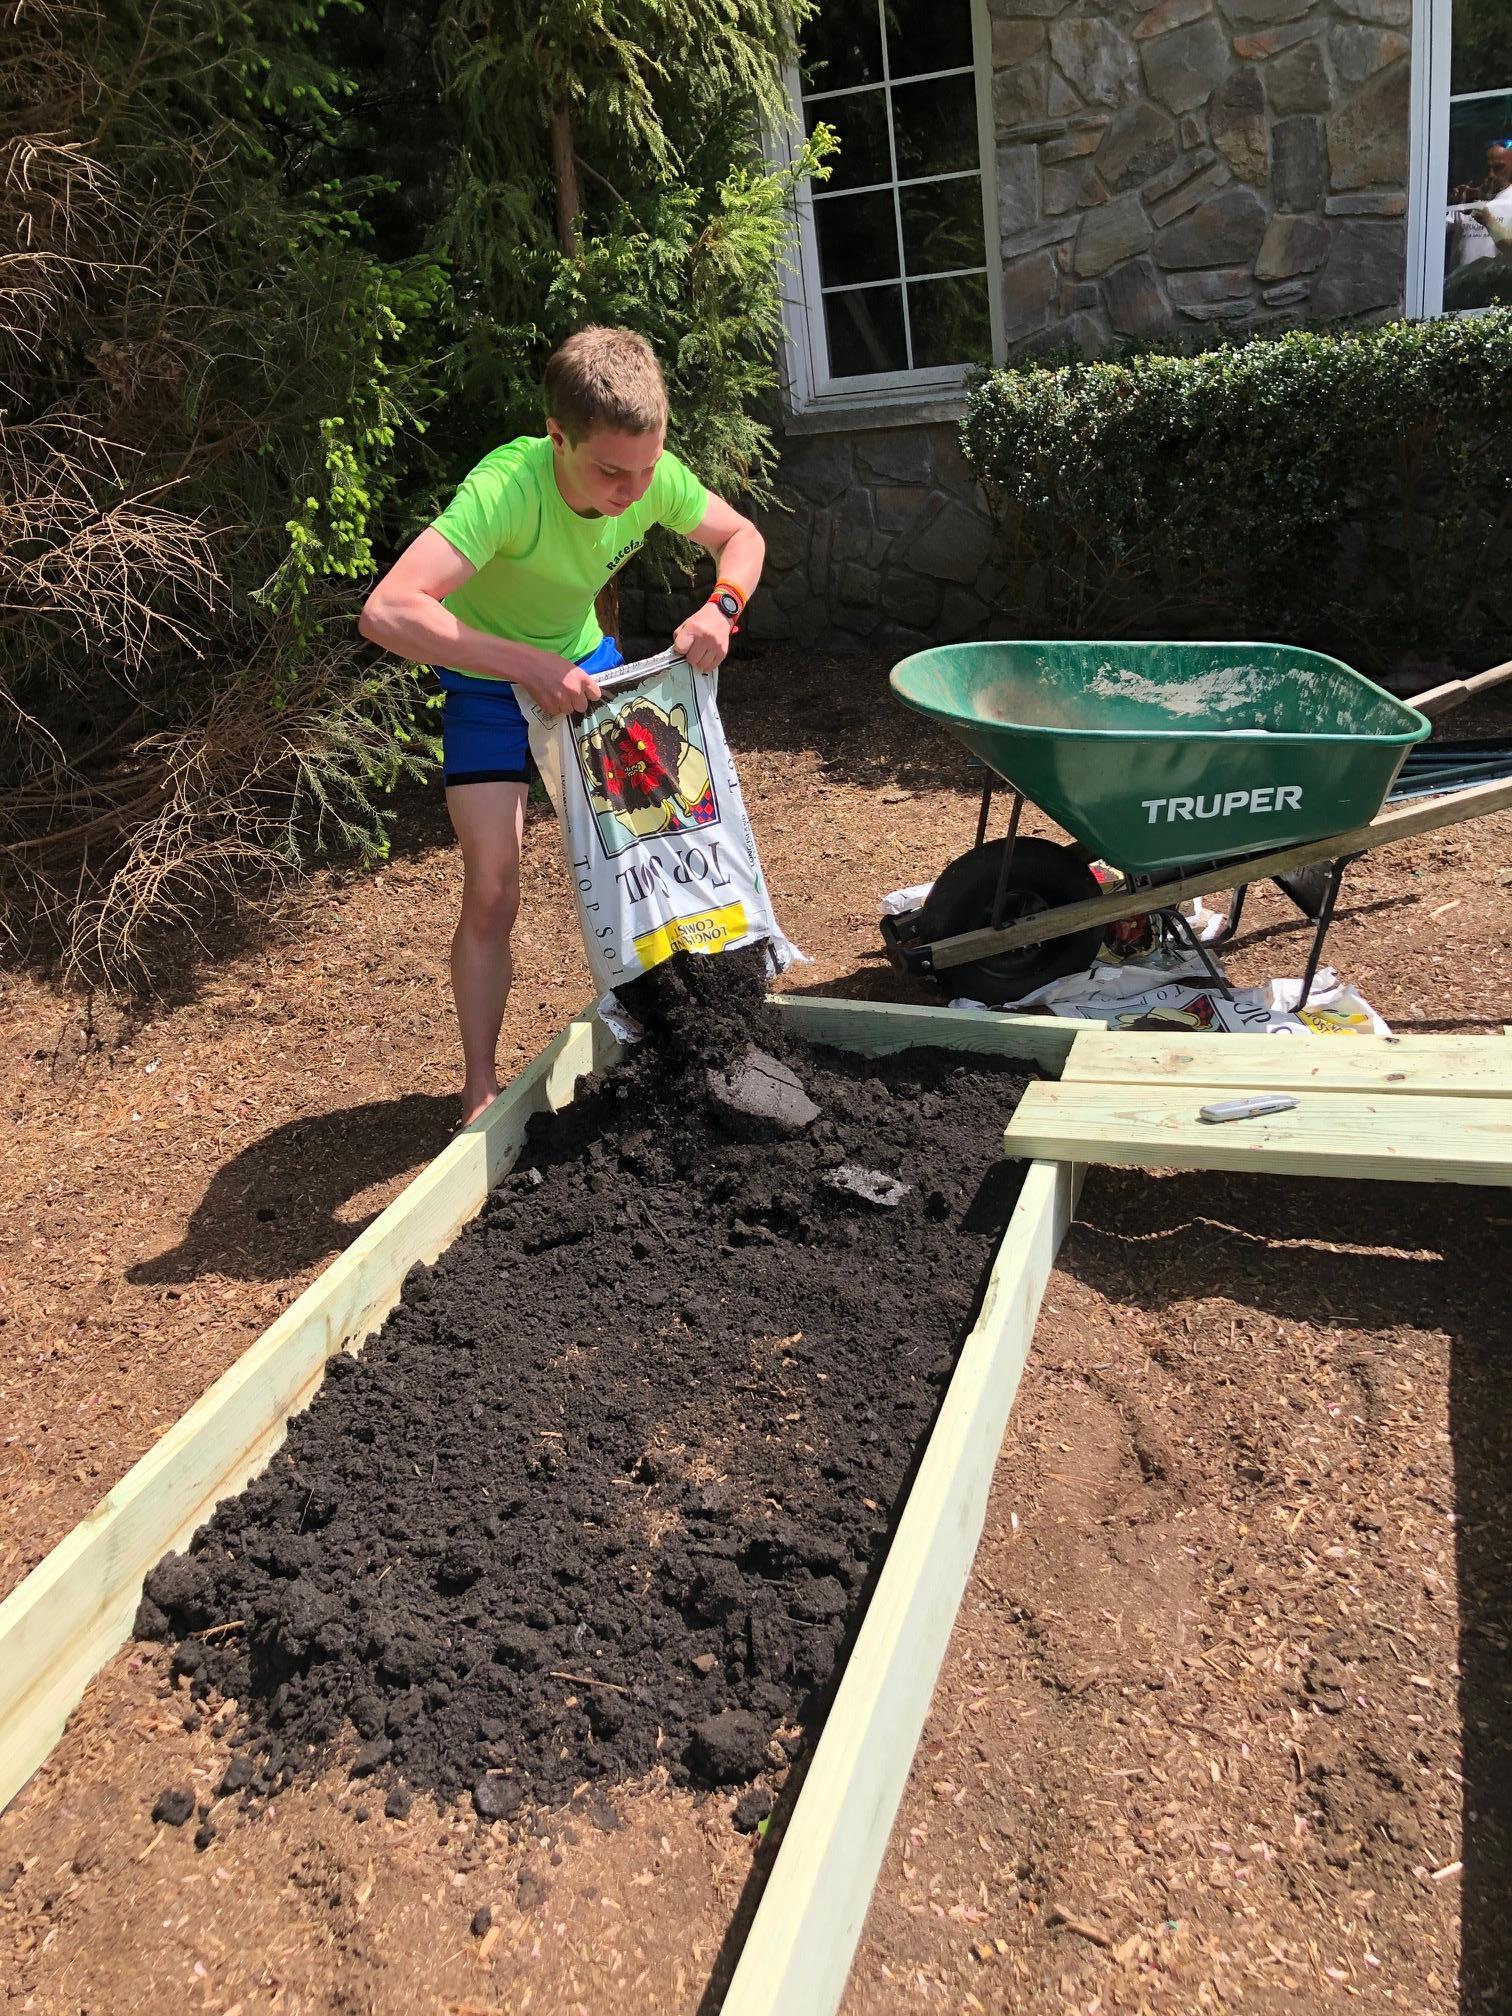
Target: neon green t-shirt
(539, 563)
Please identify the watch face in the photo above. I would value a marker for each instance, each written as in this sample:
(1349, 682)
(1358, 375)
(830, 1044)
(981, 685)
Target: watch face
(727, 606)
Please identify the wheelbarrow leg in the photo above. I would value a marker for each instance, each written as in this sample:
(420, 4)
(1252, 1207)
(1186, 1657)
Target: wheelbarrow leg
(1182, 931)
(987, 790)
(1325, 918)
(1001, 894)
(1230, 930)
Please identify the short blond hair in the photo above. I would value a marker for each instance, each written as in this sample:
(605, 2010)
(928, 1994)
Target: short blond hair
(605, 378)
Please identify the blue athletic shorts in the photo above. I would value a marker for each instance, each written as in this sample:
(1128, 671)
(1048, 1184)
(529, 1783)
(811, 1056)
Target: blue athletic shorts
(483, 738)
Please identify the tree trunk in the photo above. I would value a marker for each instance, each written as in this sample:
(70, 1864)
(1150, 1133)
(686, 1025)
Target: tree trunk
(569, 207)
(564, 176)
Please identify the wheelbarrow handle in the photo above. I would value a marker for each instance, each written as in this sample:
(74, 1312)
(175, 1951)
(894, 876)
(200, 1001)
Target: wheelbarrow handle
(1455, 692)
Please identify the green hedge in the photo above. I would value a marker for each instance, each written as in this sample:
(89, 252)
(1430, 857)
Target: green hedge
(1351, 491)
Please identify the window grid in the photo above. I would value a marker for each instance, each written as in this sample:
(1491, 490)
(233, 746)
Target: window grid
(913, 77)
(903, 280)
(817, 379)
(897, 208)
(861, 286)
(909, 182)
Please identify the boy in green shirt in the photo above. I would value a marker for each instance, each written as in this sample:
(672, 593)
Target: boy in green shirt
(500, 593)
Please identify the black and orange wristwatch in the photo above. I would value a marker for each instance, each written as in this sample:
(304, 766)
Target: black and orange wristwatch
(728, 600)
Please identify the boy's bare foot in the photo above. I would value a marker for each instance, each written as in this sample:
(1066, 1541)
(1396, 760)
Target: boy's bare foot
(476, 1100)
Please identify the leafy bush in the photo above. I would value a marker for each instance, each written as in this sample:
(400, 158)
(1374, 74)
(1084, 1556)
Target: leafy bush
(1351, 491)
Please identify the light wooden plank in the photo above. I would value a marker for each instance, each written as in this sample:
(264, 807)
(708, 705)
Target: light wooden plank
(75, 1609)
(803, 1938)
(1340, 1134)
(876, 1028)
(1402, 822)
(1440, 1066)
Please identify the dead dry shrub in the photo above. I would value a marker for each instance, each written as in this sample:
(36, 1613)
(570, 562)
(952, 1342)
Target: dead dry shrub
(201, 370)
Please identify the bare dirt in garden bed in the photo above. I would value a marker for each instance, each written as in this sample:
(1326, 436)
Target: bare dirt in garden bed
(319, 1902)
(172, 1179)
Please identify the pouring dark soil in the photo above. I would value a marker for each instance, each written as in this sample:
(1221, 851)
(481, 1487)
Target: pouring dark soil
(607, 1489)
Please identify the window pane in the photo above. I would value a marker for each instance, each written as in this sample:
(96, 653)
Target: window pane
(934, 36)
(942, 226)
(865, 332)
(861, 123)
(950, 320)
(1478, 228)
(842, 45)
(1482, 58)
(858, 239)
(935, 126)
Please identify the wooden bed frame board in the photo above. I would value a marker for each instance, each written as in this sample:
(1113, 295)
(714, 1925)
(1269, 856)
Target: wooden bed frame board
(875, 1029)
(1329, 1133)
(1451, 1067)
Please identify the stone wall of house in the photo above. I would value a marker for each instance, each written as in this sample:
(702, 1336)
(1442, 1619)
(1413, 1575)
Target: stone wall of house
(1162, 166)
(882, 541)
(1159, 167)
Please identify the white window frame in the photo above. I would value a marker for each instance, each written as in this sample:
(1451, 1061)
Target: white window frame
(811, 388)
(1428, 171)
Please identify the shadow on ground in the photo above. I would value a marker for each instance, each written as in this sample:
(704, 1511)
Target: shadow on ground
(278, 1207)
(1435, 1257)
(875, 980)
(839, 707)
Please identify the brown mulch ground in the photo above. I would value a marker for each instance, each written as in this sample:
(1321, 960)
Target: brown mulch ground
(320, 1903)
(1225, 1718)
(1217, 1702)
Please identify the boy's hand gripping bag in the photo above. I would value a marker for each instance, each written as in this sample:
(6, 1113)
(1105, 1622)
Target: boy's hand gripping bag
(653, 825)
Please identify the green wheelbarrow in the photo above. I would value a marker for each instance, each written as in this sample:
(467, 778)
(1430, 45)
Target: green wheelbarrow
(1185, 769)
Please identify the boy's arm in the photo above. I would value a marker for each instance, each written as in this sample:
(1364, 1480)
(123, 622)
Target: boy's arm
(739, 549)
(404, 614)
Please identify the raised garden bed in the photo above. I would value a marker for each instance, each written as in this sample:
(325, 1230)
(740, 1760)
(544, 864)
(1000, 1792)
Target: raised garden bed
(608, 1486)
(508, 1566)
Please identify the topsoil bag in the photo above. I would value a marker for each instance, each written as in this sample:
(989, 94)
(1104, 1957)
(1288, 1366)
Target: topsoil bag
(657, 841)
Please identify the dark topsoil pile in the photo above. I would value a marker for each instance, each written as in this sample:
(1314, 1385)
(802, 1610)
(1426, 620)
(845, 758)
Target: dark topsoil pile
(607, 1488)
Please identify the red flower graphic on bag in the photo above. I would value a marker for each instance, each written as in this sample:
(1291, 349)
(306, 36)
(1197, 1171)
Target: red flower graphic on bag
(642, 770)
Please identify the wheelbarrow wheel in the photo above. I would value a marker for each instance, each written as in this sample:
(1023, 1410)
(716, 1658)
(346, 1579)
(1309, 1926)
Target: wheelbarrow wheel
(1041, 877)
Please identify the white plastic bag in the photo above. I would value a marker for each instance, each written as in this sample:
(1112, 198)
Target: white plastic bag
(653, 825)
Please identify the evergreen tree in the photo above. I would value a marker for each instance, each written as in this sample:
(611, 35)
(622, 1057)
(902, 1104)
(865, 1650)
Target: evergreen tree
(610, 168)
